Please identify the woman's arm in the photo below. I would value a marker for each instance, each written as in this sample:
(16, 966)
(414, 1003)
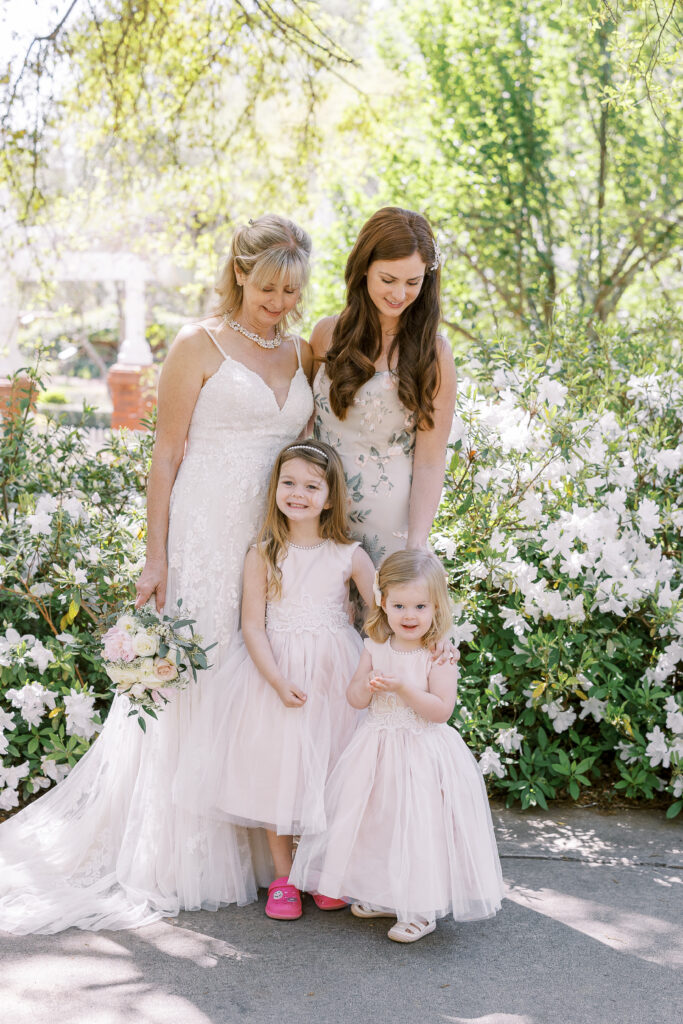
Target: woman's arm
(320, 341)
(358, 692)
(429, 462)
(182, 377)
(436, 704)
(363, 575)
(254, 596)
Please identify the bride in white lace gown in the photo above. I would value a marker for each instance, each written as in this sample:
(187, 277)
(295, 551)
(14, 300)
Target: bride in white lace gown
(109, 847)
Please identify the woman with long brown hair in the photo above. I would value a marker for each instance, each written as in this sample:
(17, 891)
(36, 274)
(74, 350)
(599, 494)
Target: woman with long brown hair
(385, 393)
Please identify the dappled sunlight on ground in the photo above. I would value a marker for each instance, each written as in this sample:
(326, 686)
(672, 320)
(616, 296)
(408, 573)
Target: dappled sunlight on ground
(624, 930)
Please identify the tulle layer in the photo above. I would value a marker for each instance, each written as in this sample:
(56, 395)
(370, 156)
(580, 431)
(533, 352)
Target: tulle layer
(409, 828)
(269, 763)
(107, 848)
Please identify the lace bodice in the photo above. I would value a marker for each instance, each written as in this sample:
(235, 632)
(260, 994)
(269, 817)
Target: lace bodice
(236, 431)
(315, 590)
(387, 710)
(375, 442)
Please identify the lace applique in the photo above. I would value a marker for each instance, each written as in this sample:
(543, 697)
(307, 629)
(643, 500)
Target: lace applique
(387, 712)
(307, 615)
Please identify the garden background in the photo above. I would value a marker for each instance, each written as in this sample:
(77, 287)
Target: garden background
(543, 142)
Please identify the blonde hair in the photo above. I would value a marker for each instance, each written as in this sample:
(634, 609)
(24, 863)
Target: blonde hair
(334, 523)
(271, 248)
(407, 567)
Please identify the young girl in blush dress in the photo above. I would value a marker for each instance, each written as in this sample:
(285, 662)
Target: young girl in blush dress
(285, 719)
(409, 831)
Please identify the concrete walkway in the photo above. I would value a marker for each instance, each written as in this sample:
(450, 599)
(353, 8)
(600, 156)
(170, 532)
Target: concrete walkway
(591, 933)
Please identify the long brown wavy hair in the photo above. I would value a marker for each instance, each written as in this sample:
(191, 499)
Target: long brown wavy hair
(390, 234)
(334, 521)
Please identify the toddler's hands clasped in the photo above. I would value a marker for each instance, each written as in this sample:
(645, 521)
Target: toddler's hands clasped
(291, 696)
(385, 684)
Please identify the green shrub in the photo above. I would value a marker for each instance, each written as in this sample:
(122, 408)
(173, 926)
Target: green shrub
(561, 527)
(71, 544)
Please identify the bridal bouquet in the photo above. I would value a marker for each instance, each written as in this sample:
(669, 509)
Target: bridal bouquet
(147, 654)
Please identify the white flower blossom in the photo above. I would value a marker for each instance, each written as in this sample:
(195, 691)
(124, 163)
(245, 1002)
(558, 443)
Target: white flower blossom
(9, 798)
(551, 392)
(54, 771)
(40, 656)
(510, 739)
(463, 633)
(648, 517)
(657, 750)
(10, 776)
(490, 763)
(80, 708)
(32, 700)
(561, 718)
(593, 706)
(513, 620)
(499, 680)
(674, 717)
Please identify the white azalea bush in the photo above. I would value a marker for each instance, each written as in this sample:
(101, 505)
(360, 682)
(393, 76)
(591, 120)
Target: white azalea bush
(561, 529)
(71, 544)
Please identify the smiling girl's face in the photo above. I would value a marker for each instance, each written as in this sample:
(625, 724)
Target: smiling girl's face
(409, 610)
(302, 490)
(394, 284)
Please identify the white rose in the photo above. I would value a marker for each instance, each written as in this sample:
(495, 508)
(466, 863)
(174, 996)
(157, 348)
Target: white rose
(145, 644)
(127, 623)
(124, 677)
(139, 690)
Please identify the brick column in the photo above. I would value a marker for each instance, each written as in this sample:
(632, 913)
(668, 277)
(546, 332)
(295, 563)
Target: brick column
(13, 391)
(133, 394)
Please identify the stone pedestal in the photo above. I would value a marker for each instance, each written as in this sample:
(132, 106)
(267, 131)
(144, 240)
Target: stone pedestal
(133, 394)
(13, 392)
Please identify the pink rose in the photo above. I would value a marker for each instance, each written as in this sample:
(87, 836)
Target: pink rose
(117, 645)
(164, 669)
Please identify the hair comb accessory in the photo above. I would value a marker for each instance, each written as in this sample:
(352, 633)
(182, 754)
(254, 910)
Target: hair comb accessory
(437, 256)
(376, 590)
(308, 448)
(251, 223)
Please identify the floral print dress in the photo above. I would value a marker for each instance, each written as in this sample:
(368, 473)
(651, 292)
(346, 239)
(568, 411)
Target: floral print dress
(376, 443)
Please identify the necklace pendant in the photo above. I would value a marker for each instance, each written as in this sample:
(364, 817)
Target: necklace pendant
(261, 342)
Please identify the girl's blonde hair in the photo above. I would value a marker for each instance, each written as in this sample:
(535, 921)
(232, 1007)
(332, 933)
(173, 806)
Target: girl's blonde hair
(334, 523)
(407, 567)
(271, 248)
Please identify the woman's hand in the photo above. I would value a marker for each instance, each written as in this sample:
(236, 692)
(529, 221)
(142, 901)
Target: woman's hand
(291, 696)
(444, 653)
(152, 580)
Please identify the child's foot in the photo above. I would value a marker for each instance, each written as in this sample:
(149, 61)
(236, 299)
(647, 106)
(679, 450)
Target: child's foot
(284, 900)
(365, 910)
(327, 902)
(411, 931)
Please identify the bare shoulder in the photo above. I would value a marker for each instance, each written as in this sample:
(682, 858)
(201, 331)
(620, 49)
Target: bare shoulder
(306, 353)
(321, 338)
(191, 342)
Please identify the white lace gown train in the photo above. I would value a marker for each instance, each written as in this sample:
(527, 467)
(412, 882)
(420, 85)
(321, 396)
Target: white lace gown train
(109, 847)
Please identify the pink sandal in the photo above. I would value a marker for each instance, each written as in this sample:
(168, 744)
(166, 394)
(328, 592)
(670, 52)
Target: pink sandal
(284, 900)
(327, 902)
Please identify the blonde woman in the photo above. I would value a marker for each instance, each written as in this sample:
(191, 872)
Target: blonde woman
(110, 847)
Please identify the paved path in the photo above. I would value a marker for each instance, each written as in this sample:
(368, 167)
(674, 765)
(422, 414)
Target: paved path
(591, 933)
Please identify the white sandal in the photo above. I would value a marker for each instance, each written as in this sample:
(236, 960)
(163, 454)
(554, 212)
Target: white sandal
(411, 931)
(365, 910)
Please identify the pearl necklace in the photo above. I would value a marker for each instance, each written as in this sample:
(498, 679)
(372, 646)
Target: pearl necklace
(263, 342)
